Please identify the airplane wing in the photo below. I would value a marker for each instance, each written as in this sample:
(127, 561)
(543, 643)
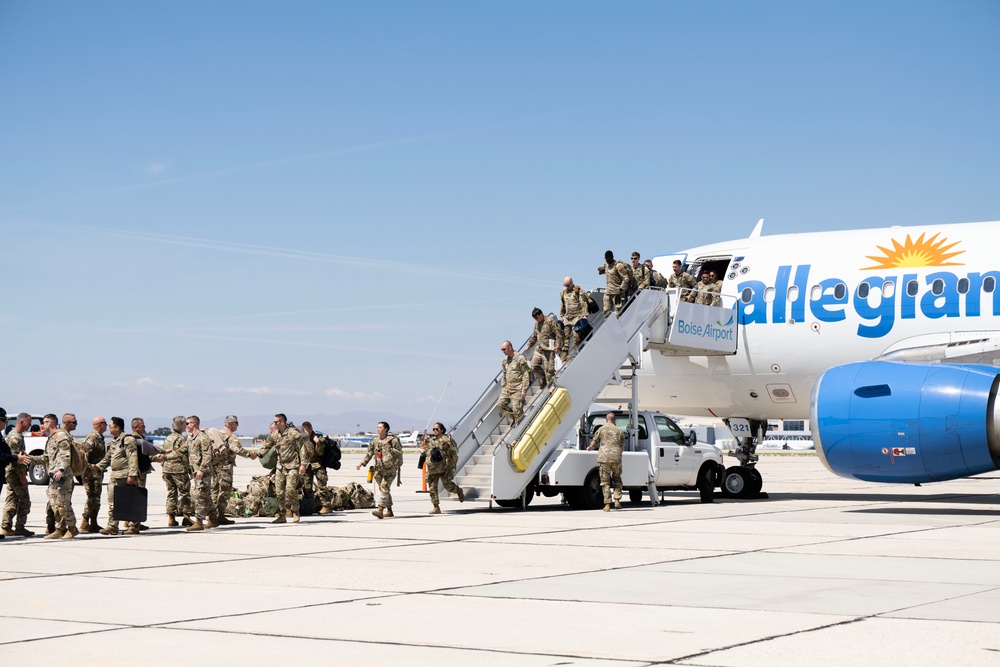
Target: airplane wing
(960, 347)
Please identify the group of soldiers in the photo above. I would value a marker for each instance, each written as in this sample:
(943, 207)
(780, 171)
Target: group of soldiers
(564, 336)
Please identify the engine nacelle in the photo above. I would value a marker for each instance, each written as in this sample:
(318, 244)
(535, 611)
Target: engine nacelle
(882, 421)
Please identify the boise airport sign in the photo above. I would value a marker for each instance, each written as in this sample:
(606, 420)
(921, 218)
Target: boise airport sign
(704, 327)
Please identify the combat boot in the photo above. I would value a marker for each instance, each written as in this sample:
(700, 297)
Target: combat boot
(110, 530)
(377, 512)
(55, 534)
(23, 532)
(281, 519)
(607, 507)
(131, 530)
(618, 505)
(461, 495)
(187, 520)
(388, 513)
(70, 533)
(94, 526)
(288, 514)
(325, 510)
(85, 524)
(225, 521)
(213, 521)
(171, 521)
(50, 527)
(295, 517)
(196, 525)
(142, 526)
(7, 532)
(435, 510)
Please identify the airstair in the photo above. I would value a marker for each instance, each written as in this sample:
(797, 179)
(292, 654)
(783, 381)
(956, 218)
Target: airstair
(500, 463)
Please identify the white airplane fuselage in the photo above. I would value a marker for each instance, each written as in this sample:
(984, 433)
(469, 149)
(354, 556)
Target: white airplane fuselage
(809, 302)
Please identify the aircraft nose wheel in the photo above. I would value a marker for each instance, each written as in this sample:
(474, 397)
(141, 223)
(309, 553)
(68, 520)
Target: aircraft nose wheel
(741, 483)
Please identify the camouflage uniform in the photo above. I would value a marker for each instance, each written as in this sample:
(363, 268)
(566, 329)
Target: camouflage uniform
(443, 470)
(94, 449)
(515, 378)
(223, 461)
(259, 489)
(685, 281)
(574, 306)
(708, 295)
(543, 360)
(618, 275)
(60, 494)
(388, 455)
(315, 478)
(176, 474)
(291, 453)
(641, 277)
(611, 441)
(656, 279)
(18, 502)
(123, 459)
(200, 458)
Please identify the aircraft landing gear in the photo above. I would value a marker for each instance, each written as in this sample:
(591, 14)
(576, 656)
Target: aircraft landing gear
(744, 481)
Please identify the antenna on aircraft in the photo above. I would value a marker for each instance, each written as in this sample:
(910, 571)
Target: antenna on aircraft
(756, 230)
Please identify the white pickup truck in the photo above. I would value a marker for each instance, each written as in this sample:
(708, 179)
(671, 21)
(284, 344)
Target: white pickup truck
(662, 456)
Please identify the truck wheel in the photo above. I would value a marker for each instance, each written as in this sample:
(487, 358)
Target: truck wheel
(736, 483)
(635, 496)
(706, 483)
(756, 482)
(37, 474)
(592, 494)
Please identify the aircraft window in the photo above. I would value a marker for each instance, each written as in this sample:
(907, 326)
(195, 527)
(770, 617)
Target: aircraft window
(746, 296)
(888, 289)
(815, 292)
(768, 294)
(937, 287)
(989, 284)
(912, 288)
(839, 291)
(793, 292)
(863, 288)
(668, 430)
(963, 286)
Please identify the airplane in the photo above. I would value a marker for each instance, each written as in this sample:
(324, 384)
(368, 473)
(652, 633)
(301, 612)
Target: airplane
(887, 340)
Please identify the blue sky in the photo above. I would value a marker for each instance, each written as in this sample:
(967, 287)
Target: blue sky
(318, 207)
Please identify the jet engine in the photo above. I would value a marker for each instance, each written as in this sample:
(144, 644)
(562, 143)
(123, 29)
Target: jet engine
(882, 421)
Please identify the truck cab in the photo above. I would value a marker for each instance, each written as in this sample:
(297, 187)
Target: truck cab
(658, 456)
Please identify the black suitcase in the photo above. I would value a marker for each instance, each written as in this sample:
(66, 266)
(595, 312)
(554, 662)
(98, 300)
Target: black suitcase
(307, 506)
(130, 503)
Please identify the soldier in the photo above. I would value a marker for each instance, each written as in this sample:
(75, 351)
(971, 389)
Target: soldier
(515, 377)
(388, 455)
(291, 453)
(177, 474)
(679, 278)
(144, 449)
(574, 306)
(94, 449)
(223, 460)
(18, 501)
(640, 274)
(618, 276)
(441, 465)
(656, 279)
(314, 475)
(611, 441)
(58, 451)
(200, 463)
(123, 458)
(549, 338)
(708, 291)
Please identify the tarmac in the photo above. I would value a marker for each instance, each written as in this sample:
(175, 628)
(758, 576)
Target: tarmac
(824, 571)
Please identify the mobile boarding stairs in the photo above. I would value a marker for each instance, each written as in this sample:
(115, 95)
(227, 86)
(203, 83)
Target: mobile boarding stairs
(500, 463)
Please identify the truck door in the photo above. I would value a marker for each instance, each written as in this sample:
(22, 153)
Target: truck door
(677, 459)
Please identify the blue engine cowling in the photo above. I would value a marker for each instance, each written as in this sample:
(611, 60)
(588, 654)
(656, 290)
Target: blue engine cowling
(882, 421)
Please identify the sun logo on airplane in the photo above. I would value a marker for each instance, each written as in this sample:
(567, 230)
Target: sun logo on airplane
(915, 254)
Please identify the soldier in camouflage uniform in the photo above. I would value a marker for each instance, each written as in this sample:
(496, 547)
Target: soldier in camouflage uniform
(123, 458)
(679, 278)
(58, 452)
(618, 276)
(640, 274)
(291, 453)
(547, 337)
(200, 464)
(387, 452)
(708, 291)
(515, 376)
(147, 452)
(18, 501)
(611, 441)
(656, 279)
(177, 474)
(223, 460)
(574, 306)
(94, 449)
(443, 469)
(314, 476)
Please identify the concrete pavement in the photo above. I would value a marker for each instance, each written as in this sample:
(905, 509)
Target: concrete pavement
(825, 571)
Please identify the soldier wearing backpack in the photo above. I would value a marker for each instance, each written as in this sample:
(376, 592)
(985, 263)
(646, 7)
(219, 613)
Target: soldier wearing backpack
(441, 454)
(225, 448)
(319, 452)
(387, 452)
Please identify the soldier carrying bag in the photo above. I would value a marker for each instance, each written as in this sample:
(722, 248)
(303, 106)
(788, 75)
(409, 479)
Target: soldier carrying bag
(330, 458)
